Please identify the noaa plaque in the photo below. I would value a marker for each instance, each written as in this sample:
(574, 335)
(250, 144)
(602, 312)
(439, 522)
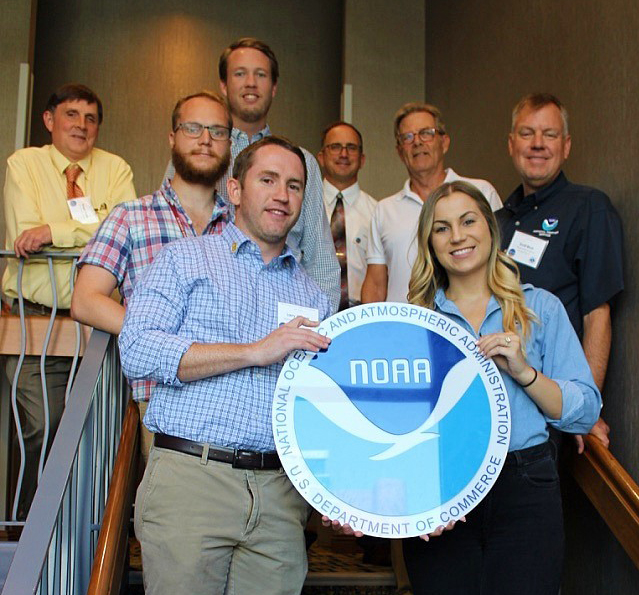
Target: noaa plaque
(399, 427)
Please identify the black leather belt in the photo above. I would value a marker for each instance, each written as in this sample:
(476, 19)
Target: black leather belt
(240, 459)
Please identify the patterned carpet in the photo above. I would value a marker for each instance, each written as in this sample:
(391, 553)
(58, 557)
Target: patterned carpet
(330, 573)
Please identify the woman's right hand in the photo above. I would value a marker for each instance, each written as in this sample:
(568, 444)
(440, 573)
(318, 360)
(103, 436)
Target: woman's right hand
(437, 532)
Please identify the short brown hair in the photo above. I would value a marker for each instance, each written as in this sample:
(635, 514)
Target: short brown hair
(73, 92)
(215, 97)
(536, 101)
(244, 160)
(342, 123)
(413, 107)
(248, 42)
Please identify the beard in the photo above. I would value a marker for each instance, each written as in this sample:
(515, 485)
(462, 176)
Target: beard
(249, 114)
(193, 175)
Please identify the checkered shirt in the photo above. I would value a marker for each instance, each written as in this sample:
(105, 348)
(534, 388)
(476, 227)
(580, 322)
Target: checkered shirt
(310, 240)
(211, 289)
(133, 234)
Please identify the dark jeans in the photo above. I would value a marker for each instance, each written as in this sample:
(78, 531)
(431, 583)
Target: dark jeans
(512, 543)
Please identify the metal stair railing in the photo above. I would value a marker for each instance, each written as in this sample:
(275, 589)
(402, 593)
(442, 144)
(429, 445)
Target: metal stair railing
(58, 543)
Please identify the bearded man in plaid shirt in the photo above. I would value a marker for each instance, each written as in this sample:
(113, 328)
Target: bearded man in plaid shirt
(134, 232)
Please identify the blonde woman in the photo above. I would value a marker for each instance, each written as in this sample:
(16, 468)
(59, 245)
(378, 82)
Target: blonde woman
(513, 541)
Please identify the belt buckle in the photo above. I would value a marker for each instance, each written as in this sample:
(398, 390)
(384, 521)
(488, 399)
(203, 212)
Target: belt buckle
(245, 459)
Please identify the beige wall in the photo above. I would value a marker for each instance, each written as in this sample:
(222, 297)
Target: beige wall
(384, 62)
(484, 56)
(141, 56)
(15, 48)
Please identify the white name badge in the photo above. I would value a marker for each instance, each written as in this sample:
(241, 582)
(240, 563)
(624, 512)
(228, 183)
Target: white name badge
(286, 313)
(82, 210)
(527, 249)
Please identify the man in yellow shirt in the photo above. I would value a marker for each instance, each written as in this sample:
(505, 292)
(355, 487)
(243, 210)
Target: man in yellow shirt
(55, 198)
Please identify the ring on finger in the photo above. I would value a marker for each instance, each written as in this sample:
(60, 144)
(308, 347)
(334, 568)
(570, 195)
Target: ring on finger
(508, 339)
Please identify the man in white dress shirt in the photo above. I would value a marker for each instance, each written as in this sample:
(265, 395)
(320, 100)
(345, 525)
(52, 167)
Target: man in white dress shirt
(349, 209)
(422, 143)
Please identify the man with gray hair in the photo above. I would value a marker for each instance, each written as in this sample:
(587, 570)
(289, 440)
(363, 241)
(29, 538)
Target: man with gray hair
(422, 143)
(566, 238)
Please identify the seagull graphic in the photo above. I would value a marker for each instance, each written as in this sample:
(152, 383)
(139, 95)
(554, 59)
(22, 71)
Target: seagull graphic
(330, 400)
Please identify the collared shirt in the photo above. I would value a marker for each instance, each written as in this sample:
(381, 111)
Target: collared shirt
(35, 193)
(310, 239)
(393, 231)
(133, 234)
(358, 210)
(583, 260)
(211, 289)
(552, 348)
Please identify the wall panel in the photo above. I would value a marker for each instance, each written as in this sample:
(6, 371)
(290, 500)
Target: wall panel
(483, 58)
(141, 56)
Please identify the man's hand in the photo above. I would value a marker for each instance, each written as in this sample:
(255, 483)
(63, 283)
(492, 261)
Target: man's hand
(600, 430)
(287, 338)
(32, 240)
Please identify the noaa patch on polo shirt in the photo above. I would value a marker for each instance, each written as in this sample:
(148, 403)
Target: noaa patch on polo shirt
(400, 426)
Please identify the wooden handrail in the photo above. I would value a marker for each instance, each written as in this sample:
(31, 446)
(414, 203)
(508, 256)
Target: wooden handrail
(612, 492)
(62, 336)
(110, 556)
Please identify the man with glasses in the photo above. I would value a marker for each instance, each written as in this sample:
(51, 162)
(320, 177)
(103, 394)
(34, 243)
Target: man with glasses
(134, 232)
(349, 209)
(248, 72)
(422, 143)
(566, 238)
(54, 198)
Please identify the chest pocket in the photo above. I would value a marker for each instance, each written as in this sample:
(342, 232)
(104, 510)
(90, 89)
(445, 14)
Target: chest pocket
(360, 240)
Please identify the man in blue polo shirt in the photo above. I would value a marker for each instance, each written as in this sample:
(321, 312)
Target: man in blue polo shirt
(565, 237)
(215, 513)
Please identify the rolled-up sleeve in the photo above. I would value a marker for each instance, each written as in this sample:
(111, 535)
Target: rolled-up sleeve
(150, 345)
(564, 361)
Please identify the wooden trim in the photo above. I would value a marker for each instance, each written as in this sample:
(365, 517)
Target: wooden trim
(62, 336)
(110, 555)
(612, 492)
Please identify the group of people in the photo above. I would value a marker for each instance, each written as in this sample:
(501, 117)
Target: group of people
(227, 268)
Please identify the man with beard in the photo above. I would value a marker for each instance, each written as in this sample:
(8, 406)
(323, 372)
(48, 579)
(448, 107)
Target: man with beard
(248, 71)
(134, 232)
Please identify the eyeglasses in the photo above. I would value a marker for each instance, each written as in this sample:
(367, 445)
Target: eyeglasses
(195, 130)
(337, 148)
(426, 135)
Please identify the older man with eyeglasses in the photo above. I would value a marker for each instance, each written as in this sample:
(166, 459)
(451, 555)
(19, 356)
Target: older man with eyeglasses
(348, 208)
(422, 143)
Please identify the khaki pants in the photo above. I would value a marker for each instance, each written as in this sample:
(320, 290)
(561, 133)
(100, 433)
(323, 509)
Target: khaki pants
(209, 529)
(146, 436)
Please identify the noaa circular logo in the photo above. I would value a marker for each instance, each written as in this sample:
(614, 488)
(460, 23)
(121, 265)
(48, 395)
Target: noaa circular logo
(549, 224)
(400, 426)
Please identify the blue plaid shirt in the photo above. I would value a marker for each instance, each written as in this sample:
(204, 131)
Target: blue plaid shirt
(310, 239)
(211, 289)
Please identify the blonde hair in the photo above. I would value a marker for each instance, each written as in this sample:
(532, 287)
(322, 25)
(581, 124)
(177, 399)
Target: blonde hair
(428, 275)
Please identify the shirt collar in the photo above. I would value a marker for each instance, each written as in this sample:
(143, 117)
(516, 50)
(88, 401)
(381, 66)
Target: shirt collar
(349, 194)
(239, 243)
(220, 208)
(61, 162)
(517, 198)
(449, 307)
(408, 193)
(237, 134)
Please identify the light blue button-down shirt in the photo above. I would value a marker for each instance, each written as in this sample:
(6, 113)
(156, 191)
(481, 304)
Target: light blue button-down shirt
(211, 289)
(310, 240)
(552, 348)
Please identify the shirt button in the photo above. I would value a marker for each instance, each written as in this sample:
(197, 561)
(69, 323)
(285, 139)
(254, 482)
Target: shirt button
(516, 223)
(535, 207)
